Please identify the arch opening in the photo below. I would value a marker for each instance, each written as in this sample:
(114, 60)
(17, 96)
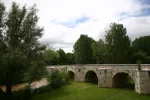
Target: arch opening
(91, 77)
(71, 75)
(123, 80)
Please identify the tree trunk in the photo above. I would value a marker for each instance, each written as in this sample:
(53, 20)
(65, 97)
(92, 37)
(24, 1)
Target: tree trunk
(2, 94)
(8, 91)
(29, 84)
(8, 86)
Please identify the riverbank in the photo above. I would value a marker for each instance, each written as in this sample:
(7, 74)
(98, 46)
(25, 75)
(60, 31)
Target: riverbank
(35, 84)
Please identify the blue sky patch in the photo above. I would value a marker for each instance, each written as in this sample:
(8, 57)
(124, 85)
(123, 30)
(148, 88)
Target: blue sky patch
(145, 12)
(74, 23)
(144, 2)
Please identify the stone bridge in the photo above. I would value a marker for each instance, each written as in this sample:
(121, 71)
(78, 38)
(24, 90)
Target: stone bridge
(111, 75)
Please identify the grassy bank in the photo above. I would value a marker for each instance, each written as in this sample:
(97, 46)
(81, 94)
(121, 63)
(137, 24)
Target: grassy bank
(87, 91)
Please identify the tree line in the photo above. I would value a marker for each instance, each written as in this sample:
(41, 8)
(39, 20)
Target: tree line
(24, 59)
(58, 57)
(115, 48)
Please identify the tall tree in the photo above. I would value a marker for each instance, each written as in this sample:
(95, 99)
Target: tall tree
(142, 44)
(62, 57)
(117, 44)
(83, 50)
(70, 58)
(139, 56)
(147, 60)
(19, 43)
(141, 49)
(99, 53)
(51, 57)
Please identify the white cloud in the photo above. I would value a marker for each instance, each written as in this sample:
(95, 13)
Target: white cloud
(99, 12)
(137, 26)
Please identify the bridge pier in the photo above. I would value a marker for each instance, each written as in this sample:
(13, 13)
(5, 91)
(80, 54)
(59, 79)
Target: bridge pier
(143, 82)
(107, 75)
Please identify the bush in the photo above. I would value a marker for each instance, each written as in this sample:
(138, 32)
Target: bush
(139, 56)
(139, 64)
(2, 95)
(147, 60)
(43, 89)
(27, 93)
(58, 78)
(22, 94)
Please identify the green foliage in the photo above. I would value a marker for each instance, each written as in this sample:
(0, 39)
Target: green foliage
(58, 78)
(36, 71)
(2, 94)
(16, 61)
(83, 50)
(142, 44)
(139, 64)
(141, 49)
(98, 49)
(147, 60)
(22, 94)
(139, 56)
(62, 57)
(42, 89)
(51, 57)
(26, 93)
(117, 44)
(19, 45)
(70, 58)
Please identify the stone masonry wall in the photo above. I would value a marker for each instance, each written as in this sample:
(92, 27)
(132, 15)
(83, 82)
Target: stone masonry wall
(106, 73)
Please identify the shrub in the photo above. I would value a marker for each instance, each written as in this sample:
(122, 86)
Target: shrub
(2, 95)
(58, 78)
(139, 64)
(42, 89)
(147, 60)
(26, 93)
(22, 94)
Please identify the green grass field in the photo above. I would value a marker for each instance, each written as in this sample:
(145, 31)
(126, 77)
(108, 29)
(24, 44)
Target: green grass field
(87, 91)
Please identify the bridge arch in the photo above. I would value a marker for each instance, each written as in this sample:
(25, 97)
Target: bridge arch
(123, 80)
(71, 75)
(91, 77)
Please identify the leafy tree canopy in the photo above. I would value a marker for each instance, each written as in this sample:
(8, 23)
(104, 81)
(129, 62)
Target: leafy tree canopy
(142, 44)
(19, 46)
(117, 44)
(83, 50)
(51, 57)
(62, 57)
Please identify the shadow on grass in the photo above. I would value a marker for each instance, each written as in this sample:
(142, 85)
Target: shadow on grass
(128, 87)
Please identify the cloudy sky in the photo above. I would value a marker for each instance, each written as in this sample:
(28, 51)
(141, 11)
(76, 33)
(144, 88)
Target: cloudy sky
(65, 20)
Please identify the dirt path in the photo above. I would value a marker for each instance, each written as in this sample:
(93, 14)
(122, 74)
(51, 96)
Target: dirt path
(35, 84)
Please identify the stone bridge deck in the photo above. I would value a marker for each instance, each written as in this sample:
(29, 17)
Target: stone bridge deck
(111, 75)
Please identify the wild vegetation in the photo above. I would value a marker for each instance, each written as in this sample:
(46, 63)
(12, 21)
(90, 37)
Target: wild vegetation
(114, 48)
(24, 59)
(20, 51)
(87, 91)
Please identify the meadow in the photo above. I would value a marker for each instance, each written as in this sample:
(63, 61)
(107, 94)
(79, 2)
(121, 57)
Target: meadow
(88, 91)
